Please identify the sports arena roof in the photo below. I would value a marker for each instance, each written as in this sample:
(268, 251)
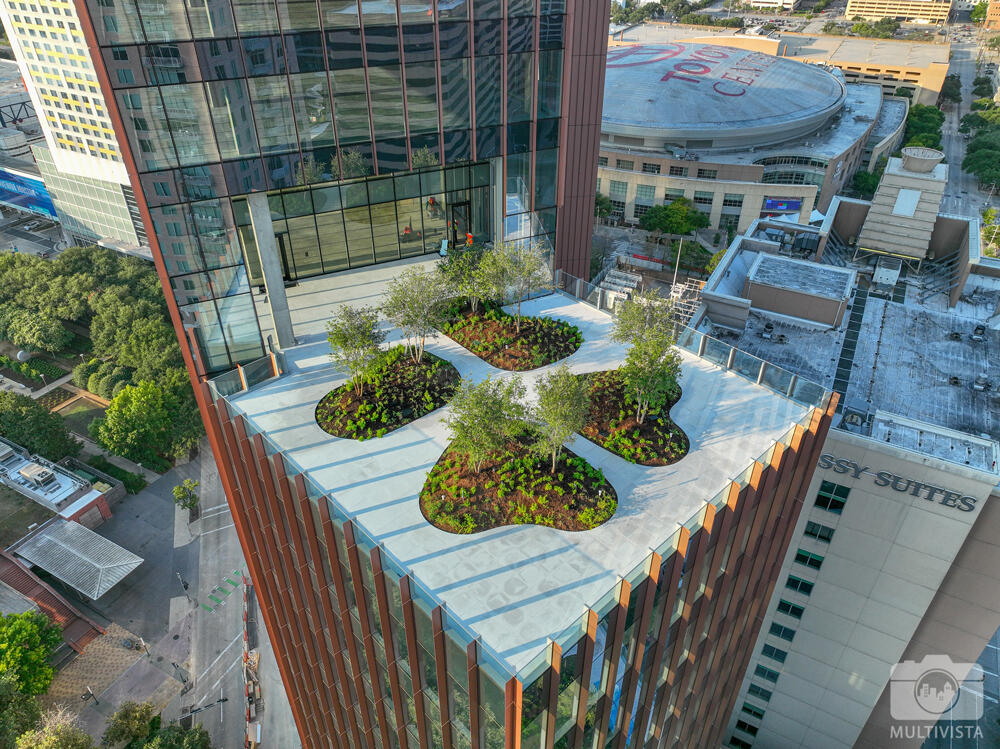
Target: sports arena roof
(696, 95)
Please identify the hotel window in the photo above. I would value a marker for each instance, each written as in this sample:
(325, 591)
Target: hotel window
(672, 193)
(648, 168)
(832, 496)
(732, 200)
(645, 193)
(618, 208)
(768, 674)
(621, 164)
(738, 743)
(785, 633)
(790, 609)
(772, 652)
(703, 198)
(640, 210)
(819, 532)
(602, 161)
(808, 559)
(799, 585)
(678, 171)
(753, 711)
(742, 725)
(708, 173)
(618, 187)
(759, 692)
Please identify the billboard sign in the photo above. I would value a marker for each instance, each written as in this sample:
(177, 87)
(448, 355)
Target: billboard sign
(782, 204)
(25, 193)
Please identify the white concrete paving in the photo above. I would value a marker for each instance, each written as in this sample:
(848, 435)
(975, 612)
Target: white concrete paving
(516, 586)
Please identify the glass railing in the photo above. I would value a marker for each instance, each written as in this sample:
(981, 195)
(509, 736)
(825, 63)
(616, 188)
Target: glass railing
(771, 376)
(245, 376)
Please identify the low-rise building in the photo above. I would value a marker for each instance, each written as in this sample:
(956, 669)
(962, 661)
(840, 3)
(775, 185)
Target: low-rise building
(918, 11)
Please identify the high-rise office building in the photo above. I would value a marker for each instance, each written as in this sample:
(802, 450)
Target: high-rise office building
(274, 143)
(371, 131)
(80, 161)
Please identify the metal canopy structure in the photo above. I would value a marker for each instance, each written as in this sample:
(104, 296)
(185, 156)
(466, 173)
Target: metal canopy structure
(79, 557)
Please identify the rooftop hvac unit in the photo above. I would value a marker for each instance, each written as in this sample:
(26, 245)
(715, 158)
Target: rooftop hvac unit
(37, 475)
(5, 452)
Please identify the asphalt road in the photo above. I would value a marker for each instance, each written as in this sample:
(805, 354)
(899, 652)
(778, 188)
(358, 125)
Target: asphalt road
(962, 195)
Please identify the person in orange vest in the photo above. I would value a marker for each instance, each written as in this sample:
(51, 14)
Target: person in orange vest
(468, 239)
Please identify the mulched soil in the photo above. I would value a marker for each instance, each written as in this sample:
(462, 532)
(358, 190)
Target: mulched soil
(20, 378)
(611, 423)
(54, 397)
(516, 488)
(405, 391)
(491, 334)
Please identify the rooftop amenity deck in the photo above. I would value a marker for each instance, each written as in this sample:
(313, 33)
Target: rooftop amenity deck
(517, 586)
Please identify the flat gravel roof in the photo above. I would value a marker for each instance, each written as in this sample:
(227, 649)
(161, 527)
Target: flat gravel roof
(713, 89)
(825, 281)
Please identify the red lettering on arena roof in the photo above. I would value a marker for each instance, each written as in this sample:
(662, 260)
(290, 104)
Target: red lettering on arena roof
(641, 55)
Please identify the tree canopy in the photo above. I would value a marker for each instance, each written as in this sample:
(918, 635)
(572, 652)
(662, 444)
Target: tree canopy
(28, 423)
(59, 730)
(485, 417)
(679, 217)
(145, 421)
(355, 337)
(884, 28)
(951, 89)
(561, 411)
(19, 712)
(923, 126)
(415, 303)
(27, 641)
(978, 14)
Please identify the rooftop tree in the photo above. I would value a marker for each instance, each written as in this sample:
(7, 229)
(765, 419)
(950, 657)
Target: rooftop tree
(561, 411)
(485, 417)
(517, 268)
(650, 372)
(644, 312)
(415, 303)
(355, 339)
(461, 272)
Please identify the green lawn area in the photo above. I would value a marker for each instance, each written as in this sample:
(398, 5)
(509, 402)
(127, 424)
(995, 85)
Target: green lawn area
(16, 514)
(79, 414)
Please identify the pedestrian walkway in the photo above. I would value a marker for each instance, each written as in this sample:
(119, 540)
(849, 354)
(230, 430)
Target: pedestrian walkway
(53, 385)
(91, 448)
(97, 667)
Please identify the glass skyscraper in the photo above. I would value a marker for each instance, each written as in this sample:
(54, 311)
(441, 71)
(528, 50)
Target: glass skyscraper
(377, 130)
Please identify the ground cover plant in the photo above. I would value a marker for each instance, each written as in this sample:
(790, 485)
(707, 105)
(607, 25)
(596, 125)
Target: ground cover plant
(492, 336)
(479, 280)
(401, 391)
(504, 465)
(611, 423)
(629, 407)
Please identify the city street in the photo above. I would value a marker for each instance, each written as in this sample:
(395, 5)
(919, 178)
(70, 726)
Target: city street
(195, 634)
(962, 196)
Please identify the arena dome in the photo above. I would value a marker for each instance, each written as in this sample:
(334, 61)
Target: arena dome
(710, 96)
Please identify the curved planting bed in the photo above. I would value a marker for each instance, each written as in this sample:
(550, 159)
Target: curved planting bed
(612, 424)
(491, 334)
(516, 488)
(402, 391)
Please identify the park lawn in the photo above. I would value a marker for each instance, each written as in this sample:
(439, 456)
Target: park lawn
(17, 512)
(79, 414)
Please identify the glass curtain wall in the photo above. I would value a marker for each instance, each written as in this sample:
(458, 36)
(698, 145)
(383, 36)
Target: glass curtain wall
(220, 98)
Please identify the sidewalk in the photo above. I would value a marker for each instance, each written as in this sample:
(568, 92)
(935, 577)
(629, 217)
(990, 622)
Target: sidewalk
(52, 386)
(91, 448)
